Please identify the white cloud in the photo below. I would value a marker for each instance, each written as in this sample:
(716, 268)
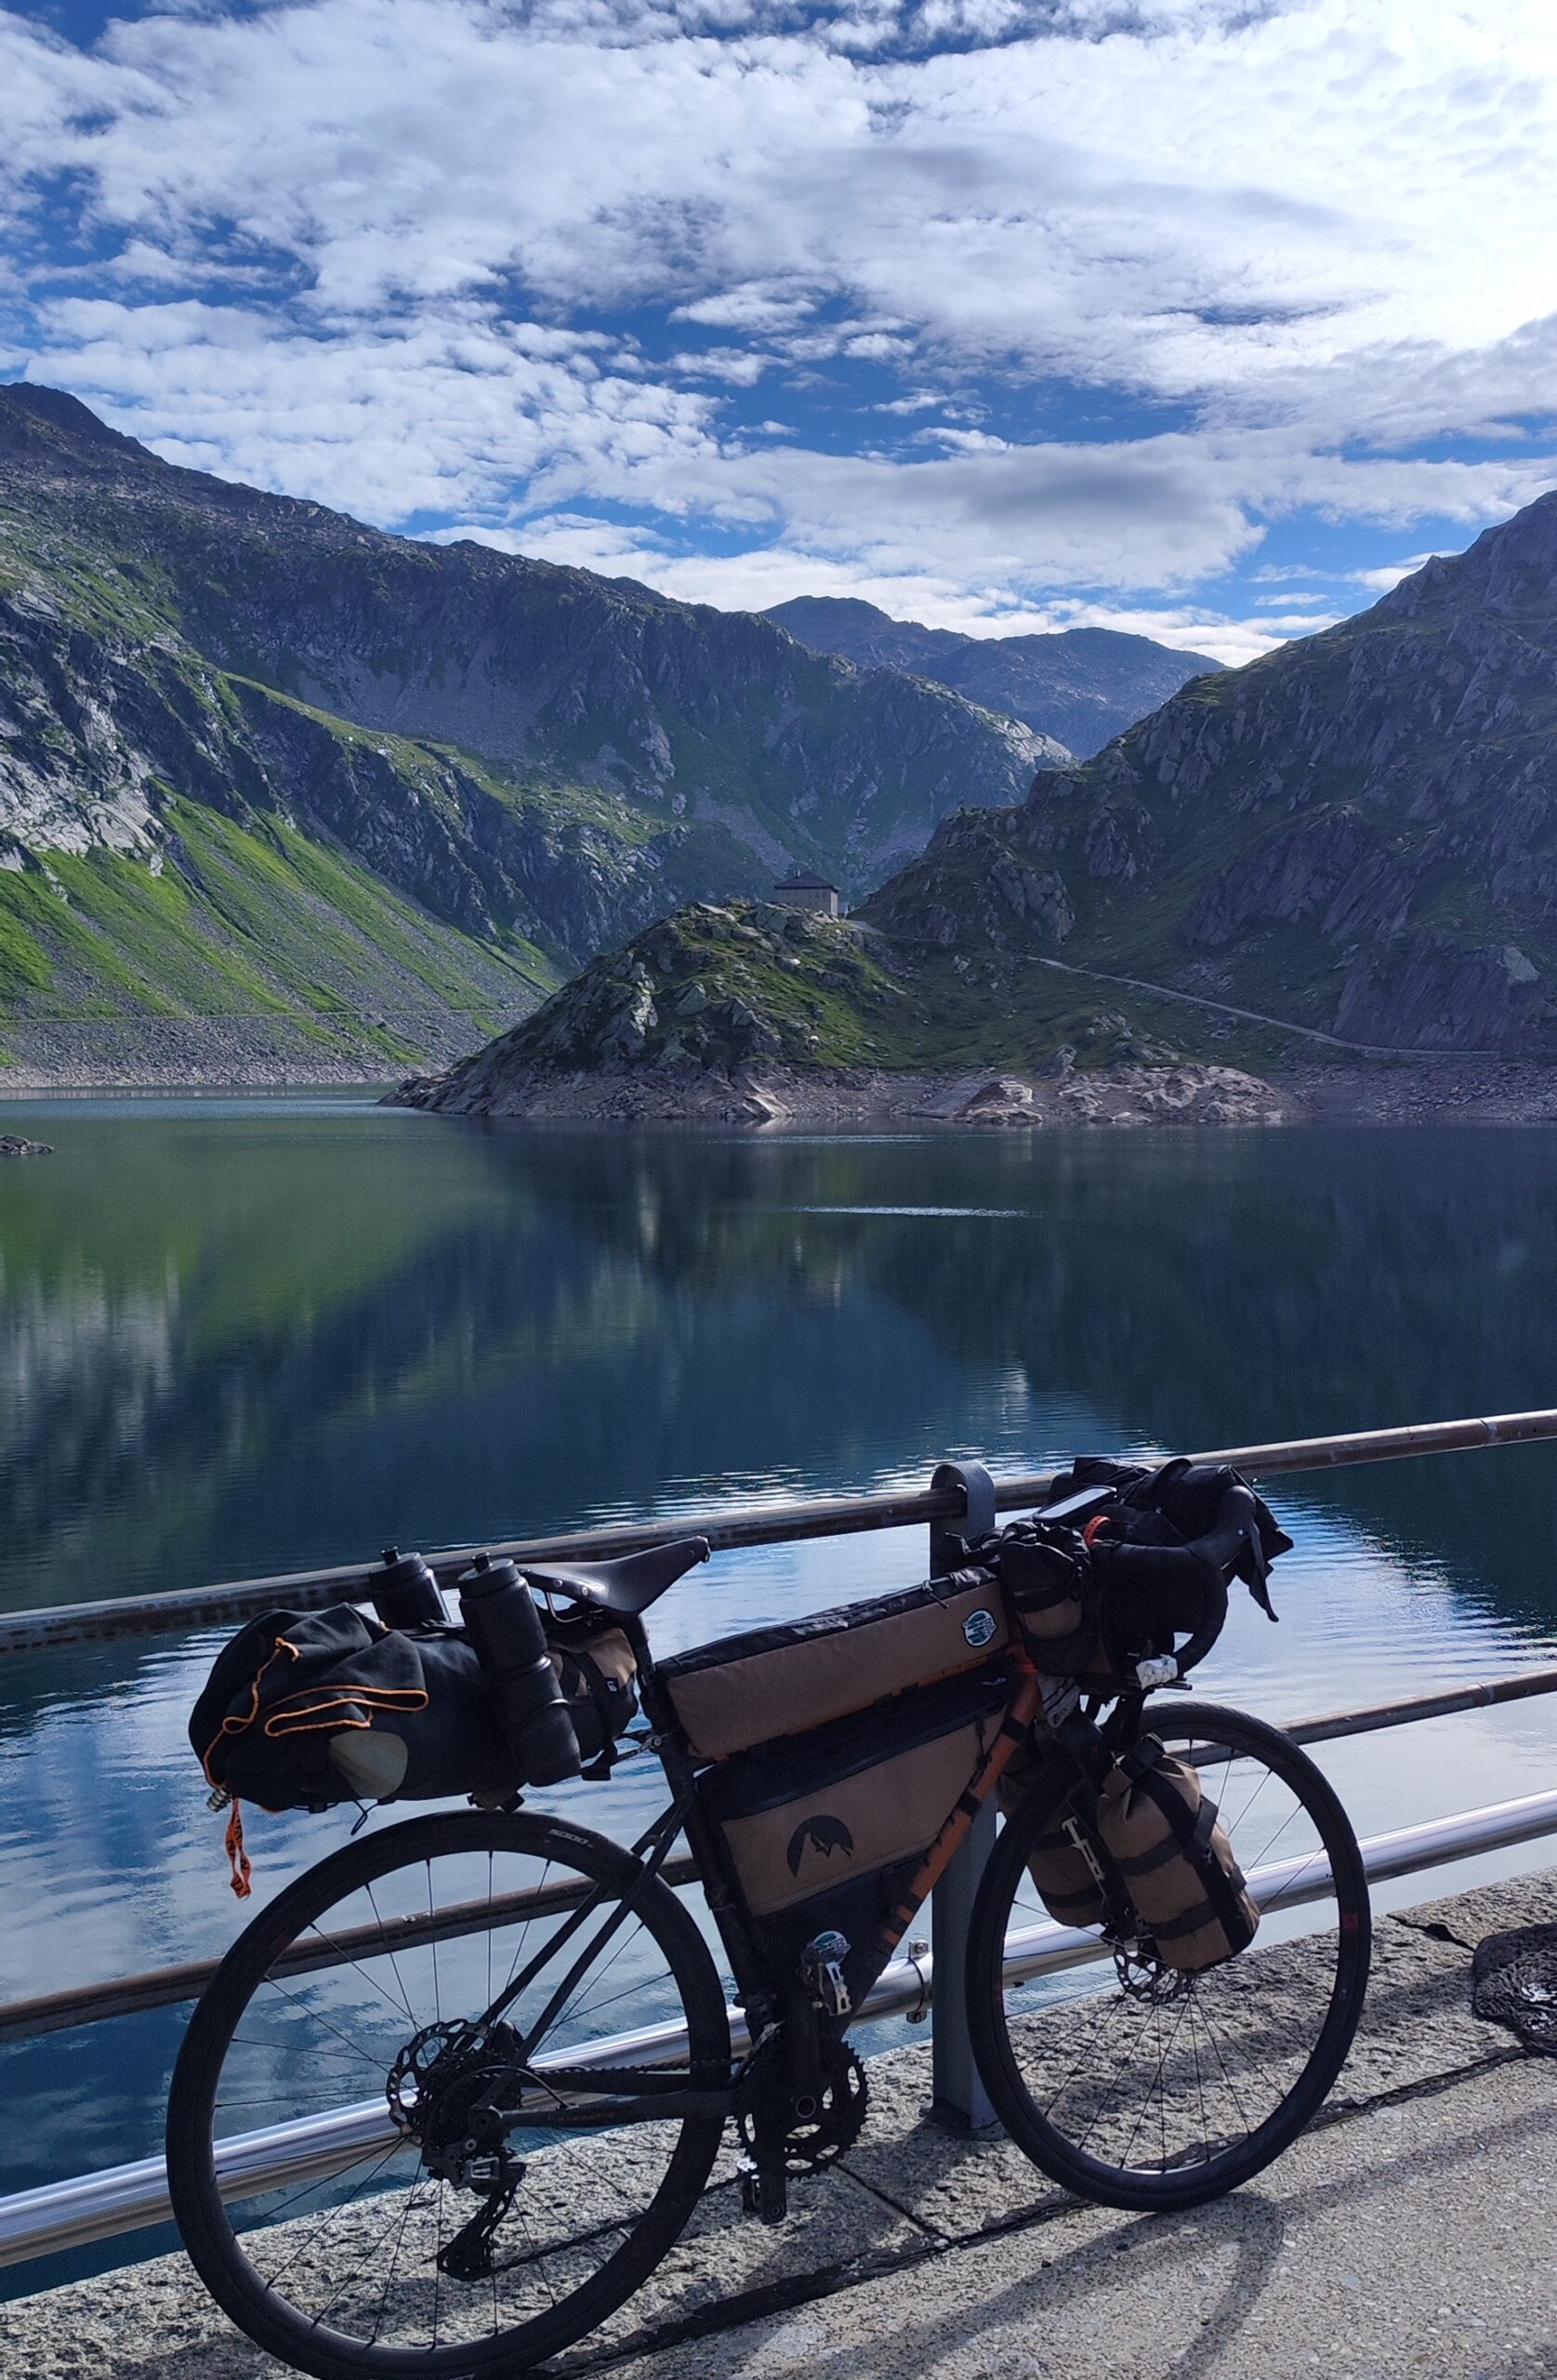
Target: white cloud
(1389, 575)
(1322, 232)
(755, 582)
(741, 366)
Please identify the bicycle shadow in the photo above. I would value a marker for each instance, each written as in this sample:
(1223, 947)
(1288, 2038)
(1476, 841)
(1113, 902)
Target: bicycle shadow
(1008, 2329)
(157, 2324)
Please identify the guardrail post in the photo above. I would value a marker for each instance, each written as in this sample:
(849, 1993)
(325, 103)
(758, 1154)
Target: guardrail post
(959, 2096)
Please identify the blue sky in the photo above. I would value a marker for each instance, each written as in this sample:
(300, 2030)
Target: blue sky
(1205, 317)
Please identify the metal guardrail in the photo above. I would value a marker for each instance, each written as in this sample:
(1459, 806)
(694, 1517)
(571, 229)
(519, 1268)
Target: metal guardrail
(129, 2198)
(773, 1524)
(131, 1995)
(126, 2197)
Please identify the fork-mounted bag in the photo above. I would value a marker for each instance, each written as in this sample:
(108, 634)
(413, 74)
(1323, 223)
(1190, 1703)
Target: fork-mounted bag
(1062, 1873)
(1178, 1864)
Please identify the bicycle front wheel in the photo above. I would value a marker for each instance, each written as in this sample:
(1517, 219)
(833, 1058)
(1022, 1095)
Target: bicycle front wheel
(316, 2199)
(1142, 2087)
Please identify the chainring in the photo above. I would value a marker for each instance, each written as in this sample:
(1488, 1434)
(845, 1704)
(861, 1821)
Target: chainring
(815, 2141)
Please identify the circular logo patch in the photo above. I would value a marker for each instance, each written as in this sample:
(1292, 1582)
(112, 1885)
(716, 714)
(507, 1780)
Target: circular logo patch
(979, 1626)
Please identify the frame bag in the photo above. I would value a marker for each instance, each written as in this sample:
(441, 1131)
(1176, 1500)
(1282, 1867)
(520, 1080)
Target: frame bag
(772, 1682)
(823, 1832)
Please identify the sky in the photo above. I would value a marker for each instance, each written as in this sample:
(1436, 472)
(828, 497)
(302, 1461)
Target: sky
(1202, 318)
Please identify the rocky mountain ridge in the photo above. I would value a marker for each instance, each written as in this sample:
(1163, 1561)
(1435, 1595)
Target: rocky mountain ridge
(1357, 832)
(1083, 685)
(260, 761)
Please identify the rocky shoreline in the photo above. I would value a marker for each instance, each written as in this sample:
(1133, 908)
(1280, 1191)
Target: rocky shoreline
(1421, 1088)
(218, 1052)
(1419, 1091)
(224, 1055)
(775, 1096)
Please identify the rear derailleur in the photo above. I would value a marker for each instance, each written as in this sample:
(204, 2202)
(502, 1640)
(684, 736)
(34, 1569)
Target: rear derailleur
(443, 2091)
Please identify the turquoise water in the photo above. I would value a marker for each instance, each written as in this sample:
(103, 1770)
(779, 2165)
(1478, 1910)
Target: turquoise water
(243, 1336)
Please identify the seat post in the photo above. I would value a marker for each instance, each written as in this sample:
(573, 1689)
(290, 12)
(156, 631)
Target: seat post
(959, 2097)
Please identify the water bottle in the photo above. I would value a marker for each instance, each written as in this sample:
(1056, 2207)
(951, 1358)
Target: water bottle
(504, 1626)
(404, 1592)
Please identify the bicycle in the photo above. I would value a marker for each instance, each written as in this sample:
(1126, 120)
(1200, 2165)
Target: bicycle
(554, 2065)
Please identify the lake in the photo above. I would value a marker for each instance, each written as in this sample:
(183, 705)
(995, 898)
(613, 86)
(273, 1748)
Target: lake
(251, 1335)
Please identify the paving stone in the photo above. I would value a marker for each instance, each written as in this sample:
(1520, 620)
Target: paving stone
(1407, 2235)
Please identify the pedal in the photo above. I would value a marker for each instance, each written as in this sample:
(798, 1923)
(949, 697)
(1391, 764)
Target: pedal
(764, 2192)
(822, 1977)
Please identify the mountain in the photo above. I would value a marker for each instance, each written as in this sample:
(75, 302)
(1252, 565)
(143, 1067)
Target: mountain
(352, 798)
(1356, 833)
(1081, 685)
(753, 1013)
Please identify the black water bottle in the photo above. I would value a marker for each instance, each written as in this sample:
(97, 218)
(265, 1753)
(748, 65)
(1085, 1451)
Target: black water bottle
(404, 1592)
(505, 1629)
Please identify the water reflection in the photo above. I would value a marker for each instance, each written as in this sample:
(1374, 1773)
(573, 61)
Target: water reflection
(252, 1337)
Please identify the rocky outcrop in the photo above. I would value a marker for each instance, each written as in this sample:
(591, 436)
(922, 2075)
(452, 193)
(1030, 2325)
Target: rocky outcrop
(1081, 686)
(1357, 833)
(707, 992)
(1421, 992)
(757, 1014)
(1332, 868)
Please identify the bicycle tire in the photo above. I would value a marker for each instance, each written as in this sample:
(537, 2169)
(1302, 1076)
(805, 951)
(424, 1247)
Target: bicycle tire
(215, 2246)
(1184, 2181)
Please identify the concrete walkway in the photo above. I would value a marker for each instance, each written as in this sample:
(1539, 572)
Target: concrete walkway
(1409, 2233)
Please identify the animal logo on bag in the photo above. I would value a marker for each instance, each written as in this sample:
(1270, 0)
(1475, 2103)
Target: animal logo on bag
(824, 1835)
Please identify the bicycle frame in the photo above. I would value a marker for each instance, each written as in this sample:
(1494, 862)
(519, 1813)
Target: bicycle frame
(642, 2095)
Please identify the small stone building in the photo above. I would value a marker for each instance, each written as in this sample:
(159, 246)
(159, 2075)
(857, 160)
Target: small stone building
(802, 892)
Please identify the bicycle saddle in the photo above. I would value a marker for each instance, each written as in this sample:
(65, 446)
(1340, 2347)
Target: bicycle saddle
(630, 1585)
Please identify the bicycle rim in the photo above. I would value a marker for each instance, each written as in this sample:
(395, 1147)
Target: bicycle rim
(323, 2236)
(1153, 2089)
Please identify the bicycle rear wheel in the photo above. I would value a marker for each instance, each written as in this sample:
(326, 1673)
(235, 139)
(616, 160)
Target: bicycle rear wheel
(310, 2209)
(1153, 2089)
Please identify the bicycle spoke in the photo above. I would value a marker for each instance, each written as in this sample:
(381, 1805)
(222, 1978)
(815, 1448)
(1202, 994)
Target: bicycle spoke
(1156, 2087)
(349, 2262)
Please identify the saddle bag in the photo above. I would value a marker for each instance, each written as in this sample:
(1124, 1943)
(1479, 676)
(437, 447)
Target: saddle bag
(303, 1710)
(771, 1682)
(825, 1832)
(596, 1671)
(1170, 1848)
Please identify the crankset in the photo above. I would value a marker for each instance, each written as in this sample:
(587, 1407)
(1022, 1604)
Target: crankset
(821, 2124)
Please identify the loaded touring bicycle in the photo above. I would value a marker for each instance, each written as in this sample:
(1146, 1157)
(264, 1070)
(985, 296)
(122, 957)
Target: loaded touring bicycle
(456, 2091)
